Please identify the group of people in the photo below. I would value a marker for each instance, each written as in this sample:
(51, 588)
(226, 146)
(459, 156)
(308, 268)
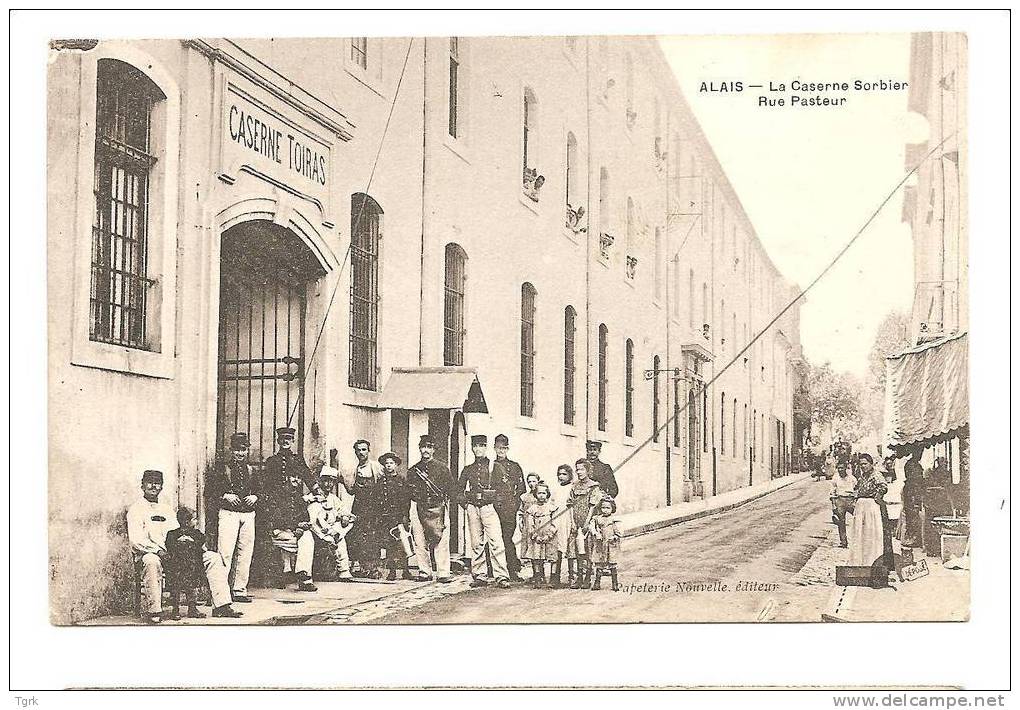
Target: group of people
(373, 510)
(881, 506)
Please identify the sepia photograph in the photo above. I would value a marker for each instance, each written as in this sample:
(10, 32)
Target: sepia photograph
(508, 329)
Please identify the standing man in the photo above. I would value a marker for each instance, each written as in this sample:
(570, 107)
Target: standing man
(363, 482)
(510, 486)
(286, 461)
(842, 497)
(431, 487)
(476, 490)
(601, 472)
(148, 522)
(236, 491)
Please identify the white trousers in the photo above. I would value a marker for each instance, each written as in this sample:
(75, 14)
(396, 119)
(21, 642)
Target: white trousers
(484, 526)
(421, 548)
(236, 544)
(151, 573)
(300, 561)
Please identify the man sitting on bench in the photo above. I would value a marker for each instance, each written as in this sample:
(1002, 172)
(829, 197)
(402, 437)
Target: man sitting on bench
(148, 522)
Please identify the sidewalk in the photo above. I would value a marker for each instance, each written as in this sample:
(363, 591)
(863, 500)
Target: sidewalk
(943, 595)
(647, 521)
(327, 605)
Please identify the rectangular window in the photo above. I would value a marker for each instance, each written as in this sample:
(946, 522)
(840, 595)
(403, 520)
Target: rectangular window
(569, 367)
(359, 51)
(704, 420)
(628, 404)
(676, 413)
(119, 282)
(528, 350)
(453, 316)
(656, 362)
(454, 86)
(603, 415)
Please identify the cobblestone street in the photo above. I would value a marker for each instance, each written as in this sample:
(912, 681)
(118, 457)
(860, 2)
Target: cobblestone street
(772, 559)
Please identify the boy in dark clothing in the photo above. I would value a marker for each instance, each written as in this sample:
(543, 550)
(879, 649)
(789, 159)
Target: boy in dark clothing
(393, 507)
(183, 565)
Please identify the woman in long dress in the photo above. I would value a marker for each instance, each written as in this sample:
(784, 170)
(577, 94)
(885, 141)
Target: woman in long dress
(867, 534)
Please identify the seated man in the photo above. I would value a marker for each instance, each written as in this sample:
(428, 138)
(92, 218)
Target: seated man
(149, 521)
(330, 521)
(291, 532)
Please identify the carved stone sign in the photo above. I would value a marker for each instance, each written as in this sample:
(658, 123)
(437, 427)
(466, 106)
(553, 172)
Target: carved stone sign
(263, 141)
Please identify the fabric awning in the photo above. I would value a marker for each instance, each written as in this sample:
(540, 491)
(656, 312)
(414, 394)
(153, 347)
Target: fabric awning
(419, 388)
(927, 393)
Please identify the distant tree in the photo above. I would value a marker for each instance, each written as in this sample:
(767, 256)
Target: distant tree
(834, 401)
(891, 337)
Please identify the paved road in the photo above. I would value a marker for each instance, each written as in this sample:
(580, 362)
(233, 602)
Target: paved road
(743, 561)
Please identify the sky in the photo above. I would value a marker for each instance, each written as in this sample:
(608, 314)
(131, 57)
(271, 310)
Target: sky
(809, 178)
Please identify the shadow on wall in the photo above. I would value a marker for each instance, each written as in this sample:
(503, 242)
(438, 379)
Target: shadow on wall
(90, 568)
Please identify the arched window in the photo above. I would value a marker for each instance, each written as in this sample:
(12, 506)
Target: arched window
(628, 402)
(690, 298)
(366, 226)
(124, 161)
(528, 294)
(733, 428)
(529, 125)
(722, 424)
(569, 367)
(631, 257)
(454, 287)
(455, 125)
(571, 188)
(660, 262)
(603, 415)
(656, 363)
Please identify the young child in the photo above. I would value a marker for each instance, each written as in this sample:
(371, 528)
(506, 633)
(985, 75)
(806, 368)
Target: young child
(394, 509)
(605, 542)
(540, 534)
(331, 522)
(585, 495)
(183, 565)
(527, 500)
(560, 497)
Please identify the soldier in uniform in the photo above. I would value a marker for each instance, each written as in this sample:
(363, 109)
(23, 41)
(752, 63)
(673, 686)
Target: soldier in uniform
(236, 491)
(477, 494)
(287, 462)
(601, 472)
(281, 499)
(510, 486)
(431, 487)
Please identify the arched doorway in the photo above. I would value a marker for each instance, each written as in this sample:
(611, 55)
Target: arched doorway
(265, 270)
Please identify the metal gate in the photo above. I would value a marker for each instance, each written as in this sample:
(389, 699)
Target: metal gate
(262, 335)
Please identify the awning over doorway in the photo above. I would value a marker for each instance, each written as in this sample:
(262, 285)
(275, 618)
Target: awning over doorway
(927, 393)
(419, 388)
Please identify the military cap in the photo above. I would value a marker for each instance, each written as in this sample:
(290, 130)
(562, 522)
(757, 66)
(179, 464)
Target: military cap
(502, 440)
(592, 444)
(153, 476)
(286, 431)
(479, 439)
(239, 440)
(426, 440)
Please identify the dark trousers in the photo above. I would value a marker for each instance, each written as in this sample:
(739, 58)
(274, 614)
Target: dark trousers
(507, 525)
(841, 507)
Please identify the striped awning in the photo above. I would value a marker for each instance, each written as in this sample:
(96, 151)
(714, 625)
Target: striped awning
(926, 393)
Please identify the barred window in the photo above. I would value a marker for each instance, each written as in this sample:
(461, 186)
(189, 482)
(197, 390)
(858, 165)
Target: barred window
(569, 367)
(676, 413)
(528, 294)
(453, 315)
(628, 402)
(529, 128)
(722, 424)
(359, 51)
(123, 165)
(656, 364)
(366, 218)
(603, 415)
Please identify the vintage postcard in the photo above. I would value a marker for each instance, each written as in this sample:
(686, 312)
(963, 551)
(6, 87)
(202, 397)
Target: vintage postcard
(520, 329)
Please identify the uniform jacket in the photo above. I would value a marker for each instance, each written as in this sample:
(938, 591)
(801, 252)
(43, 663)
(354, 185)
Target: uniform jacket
(282, 464)
(477, 483)
(286, 507)
(509, 484)
(236, 478)
(440, 477)
(602, 473)
(393, 500)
